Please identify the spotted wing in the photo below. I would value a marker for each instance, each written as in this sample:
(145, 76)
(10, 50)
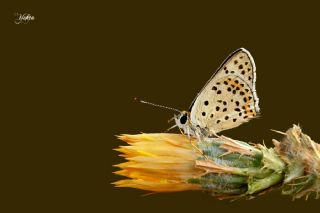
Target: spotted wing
(229, 98)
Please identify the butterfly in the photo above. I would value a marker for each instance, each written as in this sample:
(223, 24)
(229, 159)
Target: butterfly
(226, 101)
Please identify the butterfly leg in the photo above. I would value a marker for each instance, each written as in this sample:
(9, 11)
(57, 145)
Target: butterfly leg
(212, 134)
(195, 146)
(188, 132)
(171, 119)
(167, 130)
(181, 131)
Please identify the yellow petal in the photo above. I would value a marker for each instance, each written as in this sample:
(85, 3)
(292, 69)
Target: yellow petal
(158, 162)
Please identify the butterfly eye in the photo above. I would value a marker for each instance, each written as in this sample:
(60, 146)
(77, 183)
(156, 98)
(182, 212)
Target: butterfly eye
(183, 119)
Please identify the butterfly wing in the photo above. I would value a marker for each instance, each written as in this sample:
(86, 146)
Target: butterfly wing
(229, 97)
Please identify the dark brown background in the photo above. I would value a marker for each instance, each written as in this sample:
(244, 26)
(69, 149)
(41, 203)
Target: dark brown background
(69, 79)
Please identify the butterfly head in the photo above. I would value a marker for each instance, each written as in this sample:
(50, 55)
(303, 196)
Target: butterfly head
(182, 119)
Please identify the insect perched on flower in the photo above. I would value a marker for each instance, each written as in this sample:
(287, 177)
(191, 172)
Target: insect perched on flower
(221, 166)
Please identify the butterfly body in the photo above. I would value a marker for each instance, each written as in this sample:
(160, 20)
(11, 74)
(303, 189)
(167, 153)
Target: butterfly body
(226, 101)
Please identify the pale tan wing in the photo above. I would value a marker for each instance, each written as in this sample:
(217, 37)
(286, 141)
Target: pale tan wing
(229, 98)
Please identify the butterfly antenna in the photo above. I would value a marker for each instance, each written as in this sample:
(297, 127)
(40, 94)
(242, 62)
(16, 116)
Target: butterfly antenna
(157, 105)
